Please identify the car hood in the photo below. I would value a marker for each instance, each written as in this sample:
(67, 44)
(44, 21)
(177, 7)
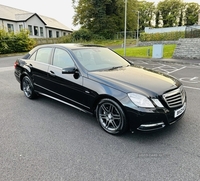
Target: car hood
(136, 79)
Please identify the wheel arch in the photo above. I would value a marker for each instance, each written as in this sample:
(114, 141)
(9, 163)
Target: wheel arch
(105, 96)
(124, 126)
(25, 73)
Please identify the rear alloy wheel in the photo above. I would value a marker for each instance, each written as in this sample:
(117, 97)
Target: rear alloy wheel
(28, 88)
(111, 117)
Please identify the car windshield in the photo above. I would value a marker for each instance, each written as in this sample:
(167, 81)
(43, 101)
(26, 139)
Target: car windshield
(99, 58)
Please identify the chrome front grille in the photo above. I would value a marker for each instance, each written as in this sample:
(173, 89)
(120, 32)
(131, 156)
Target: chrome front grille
(175, 98)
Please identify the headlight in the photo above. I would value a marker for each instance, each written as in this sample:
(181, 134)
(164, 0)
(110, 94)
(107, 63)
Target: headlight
(140, 100)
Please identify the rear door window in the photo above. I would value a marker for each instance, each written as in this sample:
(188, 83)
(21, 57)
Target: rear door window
(43, 55)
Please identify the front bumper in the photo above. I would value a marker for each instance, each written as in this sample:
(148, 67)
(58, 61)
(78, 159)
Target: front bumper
(152, 119)
(151, 126)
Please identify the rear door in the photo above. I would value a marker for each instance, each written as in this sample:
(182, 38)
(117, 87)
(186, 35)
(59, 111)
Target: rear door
(39, 63)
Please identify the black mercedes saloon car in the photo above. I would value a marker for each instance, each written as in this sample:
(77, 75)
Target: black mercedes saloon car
(96, 80)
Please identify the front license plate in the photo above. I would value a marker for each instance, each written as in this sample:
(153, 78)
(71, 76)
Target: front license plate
(180, 111)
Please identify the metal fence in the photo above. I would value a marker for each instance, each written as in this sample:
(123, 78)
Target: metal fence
(129, 34)
(191, 32)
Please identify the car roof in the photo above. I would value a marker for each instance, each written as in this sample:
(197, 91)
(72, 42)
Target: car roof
(69, 45)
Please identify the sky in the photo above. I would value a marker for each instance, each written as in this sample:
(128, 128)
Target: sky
(61, 10)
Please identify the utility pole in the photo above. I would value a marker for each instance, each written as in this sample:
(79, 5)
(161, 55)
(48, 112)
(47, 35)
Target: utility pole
(125, 28)
(138, 24)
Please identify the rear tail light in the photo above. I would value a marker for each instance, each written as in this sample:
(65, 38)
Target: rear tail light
(16, 64)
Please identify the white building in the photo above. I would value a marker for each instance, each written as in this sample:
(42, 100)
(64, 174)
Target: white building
(12, 19)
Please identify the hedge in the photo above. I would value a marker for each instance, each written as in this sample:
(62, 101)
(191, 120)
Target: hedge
(162, 36)
(11, 42)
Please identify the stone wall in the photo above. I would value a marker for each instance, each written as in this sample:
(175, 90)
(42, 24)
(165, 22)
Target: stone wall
(187, 48)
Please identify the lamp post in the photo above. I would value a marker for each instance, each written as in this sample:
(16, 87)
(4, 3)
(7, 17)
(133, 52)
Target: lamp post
(125, 28)
(138, 23)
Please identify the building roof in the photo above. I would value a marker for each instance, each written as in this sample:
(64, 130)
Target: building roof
(13, 14)
(52, 23)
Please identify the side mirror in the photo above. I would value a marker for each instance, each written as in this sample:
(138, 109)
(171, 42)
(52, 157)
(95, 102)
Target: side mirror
(69, 70)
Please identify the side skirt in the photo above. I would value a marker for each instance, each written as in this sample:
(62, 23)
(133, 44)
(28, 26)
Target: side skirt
(76, 107)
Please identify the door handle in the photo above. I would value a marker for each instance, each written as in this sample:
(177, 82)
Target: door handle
(52, 73)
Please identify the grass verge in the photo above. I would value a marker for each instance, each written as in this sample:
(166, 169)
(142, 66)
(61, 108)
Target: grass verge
(146, 52)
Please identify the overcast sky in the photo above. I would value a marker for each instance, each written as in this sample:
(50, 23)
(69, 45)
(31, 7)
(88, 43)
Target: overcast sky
(60, 10)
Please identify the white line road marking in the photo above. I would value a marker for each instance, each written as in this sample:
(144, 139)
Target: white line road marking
(178, 69)
(194, 88)
(193, 80)
(168, 69)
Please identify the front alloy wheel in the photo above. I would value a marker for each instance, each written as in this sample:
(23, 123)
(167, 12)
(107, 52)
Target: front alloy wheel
(111, 117)
(27, 87)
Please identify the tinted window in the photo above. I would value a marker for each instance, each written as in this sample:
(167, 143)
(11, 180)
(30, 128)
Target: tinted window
(43, 55)
(62, 59)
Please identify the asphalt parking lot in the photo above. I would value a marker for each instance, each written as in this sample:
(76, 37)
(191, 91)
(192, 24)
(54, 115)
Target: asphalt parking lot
(46, 140)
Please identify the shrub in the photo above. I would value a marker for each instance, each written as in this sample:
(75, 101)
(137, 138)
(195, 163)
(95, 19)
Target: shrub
(162, 36)
(82, 34)
(65, 39)
(13, 43)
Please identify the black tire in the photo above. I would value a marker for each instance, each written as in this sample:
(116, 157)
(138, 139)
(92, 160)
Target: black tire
(28, 88)
(111, 117)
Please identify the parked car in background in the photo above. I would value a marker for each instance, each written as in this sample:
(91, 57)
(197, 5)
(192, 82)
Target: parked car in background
(96, 80)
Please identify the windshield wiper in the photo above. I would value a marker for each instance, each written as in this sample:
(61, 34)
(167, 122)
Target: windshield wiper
(113, 68)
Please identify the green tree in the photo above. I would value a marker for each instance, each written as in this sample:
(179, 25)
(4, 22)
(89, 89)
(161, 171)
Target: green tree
(105, 17)
(170, 11)
(191, 13)
(147, 14)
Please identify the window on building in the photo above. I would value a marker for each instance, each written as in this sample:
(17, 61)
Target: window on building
(20, 27)
(64, 33)
(30, 29)
(36, 30)
(57, 34)
(41, 31)
(50, 34)
(10, 27)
